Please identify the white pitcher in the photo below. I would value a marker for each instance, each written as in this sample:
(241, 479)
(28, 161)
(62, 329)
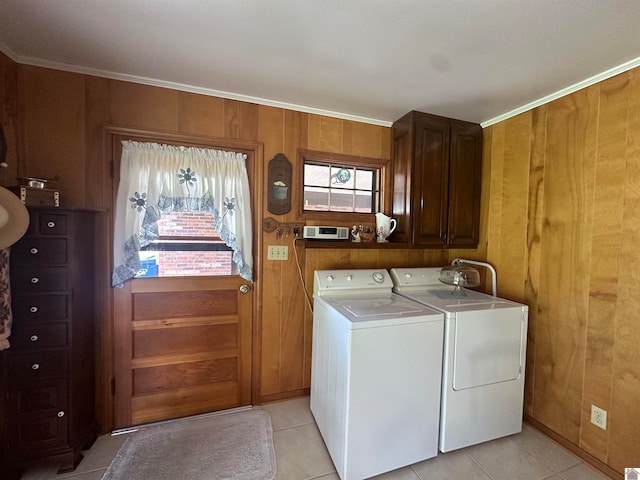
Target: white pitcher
(385, 226)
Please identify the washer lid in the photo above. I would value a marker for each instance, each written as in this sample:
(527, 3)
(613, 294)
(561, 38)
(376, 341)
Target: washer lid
(376, 306)
(367, 310)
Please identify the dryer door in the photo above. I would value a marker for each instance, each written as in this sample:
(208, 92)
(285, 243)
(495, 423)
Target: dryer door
(488, 347)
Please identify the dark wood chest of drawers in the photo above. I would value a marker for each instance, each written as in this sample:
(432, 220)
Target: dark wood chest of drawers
(47, 375)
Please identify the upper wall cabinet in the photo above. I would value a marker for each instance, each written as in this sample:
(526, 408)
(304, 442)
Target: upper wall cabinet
(437, 168)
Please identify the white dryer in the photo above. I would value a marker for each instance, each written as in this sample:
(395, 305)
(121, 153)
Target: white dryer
(484, 358)
(375, 373)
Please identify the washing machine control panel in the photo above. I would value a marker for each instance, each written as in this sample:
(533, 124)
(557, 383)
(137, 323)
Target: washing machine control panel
(345, 281)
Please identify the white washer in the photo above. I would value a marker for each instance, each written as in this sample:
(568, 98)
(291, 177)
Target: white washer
(375, 373)
(484, 358)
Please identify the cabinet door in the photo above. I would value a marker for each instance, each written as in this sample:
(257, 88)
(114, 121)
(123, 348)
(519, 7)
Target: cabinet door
(39, 419)
(430, 180)
(402, 168)
(464, 185)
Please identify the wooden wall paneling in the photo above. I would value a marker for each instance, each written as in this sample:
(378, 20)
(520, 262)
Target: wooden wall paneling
(368, 140)
(270, 133)
(496, 202)
(290, 314)
(201, 114)
(605, 259)
(623, 419)
(348, 138)
(293, 325)
(511, 260)
(325, 134)
(310, 265)
(247, 121)
(534, 235)
(99, 186)
(9, 118)
(53, 130)
(143, 106)
(294, 136)
(97, 114)
(231, 118)
(566, 250)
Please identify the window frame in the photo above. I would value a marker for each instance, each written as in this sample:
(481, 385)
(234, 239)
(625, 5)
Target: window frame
(338, 159)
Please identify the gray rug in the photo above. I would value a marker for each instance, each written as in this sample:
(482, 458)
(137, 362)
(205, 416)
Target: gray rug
(236, 445)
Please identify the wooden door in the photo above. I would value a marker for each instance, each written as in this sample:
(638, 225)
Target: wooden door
(183, 346)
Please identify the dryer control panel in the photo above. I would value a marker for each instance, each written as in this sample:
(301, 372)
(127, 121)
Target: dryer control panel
(416, 277)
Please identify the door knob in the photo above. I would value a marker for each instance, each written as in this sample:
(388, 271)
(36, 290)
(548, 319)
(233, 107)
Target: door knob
(244, 288)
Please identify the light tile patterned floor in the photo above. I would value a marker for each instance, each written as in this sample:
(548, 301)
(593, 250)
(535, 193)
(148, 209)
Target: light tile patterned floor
(301, 455)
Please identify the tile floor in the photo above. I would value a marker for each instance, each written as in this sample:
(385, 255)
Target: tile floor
(301, 455)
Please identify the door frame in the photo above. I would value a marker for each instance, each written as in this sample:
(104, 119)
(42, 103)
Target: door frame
(106, 348)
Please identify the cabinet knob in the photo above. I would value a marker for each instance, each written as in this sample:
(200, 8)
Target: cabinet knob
(33, 338)
(51, 224)
(33, 309)
(61, 413)
(35, 279)
(33, 251)
(35, 366)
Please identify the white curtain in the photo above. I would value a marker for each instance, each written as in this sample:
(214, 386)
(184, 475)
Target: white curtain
(158, 178)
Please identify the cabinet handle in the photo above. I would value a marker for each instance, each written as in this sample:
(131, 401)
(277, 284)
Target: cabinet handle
(34, 338)
(61, 413)
(33, 251)
(33, 309)
(35, 366)
(51, 224)
(35, 280)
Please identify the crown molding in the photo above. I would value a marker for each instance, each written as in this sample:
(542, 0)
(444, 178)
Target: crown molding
(612, 72)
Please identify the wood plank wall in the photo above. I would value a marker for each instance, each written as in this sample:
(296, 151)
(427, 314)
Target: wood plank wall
(561, 196)
(561, 226)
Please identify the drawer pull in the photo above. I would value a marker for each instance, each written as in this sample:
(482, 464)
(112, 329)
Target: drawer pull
(33, 338)
(61, 413)
(35, 280)
(51, 224)
(35, 366)
(33, 309)
(33, 251)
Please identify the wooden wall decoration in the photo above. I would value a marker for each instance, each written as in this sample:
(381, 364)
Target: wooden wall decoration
(279, 185)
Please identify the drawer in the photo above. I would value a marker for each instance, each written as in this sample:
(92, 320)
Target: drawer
(39, 251)
(52, 224)
(38, 336)
(38, 308)
(25, 367)
(36, 280)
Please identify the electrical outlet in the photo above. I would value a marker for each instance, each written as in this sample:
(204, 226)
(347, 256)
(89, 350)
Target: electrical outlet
(278, 252)
(599, 417)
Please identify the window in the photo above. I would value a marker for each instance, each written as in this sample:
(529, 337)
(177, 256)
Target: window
(188, 245)
(342, 185)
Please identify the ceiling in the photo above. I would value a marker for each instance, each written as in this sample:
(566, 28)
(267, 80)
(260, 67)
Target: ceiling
(367, 60)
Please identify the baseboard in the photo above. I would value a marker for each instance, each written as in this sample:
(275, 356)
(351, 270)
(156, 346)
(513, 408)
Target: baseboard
(587, 457)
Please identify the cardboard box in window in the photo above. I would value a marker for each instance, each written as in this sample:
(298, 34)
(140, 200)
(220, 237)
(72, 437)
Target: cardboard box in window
(37, 197)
